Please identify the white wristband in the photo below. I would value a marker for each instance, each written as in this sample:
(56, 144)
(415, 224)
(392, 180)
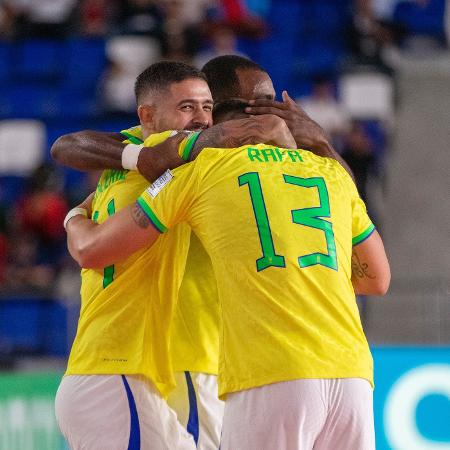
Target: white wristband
(72, 213)
(130, 155)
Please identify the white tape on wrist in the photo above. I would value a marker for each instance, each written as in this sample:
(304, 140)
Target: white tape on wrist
(130, 155)
(72, 213)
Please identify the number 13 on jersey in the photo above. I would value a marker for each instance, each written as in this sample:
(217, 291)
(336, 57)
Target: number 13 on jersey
(309, 217)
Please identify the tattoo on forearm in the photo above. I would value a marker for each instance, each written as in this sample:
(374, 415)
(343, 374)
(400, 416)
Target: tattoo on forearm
(139, 217)
(360, 269)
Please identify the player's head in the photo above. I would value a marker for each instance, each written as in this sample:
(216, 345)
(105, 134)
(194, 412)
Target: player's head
(173, 95)
(229, 110)
(234, 77)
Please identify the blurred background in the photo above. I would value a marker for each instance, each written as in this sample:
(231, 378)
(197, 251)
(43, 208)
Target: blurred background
(374, 73)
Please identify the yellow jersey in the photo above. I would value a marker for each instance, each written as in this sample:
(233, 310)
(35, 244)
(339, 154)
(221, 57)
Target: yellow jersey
(194, 342)
(127, 308)
(279, 226)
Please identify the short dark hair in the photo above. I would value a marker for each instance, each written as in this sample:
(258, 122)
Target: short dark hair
(221, 75)
(228, 107)
(161, 75)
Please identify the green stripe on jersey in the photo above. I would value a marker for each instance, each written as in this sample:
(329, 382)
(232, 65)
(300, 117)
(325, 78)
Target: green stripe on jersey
(191, 140)
(131, 138)
(151, 215)
(364, 235)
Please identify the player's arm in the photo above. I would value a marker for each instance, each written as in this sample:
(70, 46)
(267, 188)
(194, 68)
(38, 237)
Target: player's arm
(94, 150)
(307, 133)
(268, 129)
(89, 150)
(95, 245)
(371, 274)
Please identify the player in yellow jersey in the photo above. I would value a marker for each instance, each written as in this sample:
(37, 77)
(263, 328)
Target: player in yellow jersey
(195, 336)
(119, 368)
(123, 332)
(281, 227)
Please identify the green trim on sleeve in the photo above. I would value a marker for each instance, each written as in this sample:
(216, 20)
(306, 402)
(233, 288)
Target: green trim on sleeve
(151, 215)
(191, 140)
(364, 235)
(131, 138)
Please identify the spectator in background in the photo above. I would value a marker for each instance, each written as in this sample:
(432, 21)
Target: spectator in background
(96, 16)
(3, 247)
(8, 19)
(323, 107)
(140, 17)
(236, 15)
(44, 18)
(242, 20)
(115, 89)
(180, 36)
(37, 236)
(373, 30)
(222, 41)
(359, 154)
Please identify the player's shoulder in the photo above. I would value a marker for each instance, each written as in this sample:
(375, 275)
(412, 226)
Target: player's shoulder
(133, 134)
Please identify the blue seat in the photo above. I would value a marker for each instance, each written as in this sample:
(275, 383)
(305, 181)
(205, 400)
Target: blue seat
(6, 62)
(85, 61)
(317, 56)
(288, 17)
(11, 188)
(277, 54)
(55, 340)
(30, 101)
(14, 313)
(39, 59)
(36, 326)
(330, 18)
(427, 20)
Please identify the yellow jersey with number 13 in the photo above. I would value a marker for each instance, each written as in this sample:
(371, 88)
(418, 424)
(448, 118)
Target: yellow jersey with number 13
(279, 226)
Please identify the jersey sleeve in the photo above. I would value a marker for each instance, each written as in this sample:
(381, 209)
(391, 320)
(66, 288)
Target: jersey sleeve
(167, 201)
(133, 135)
(362, 226)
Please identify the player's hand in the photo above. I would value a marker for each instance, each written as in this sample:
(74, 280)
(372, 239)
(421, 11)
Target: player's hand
(154, 161)
(266, 128)
(276, 131)
(307, 133)
(87, 204)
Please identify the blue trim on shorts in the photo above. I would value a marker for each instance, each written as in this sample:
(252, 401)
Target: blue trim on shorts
(135, 433)
(192, 425)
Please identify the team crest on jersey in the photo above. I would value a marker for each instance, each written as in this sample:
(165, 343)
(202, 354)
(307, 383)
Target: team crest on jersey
(158, 184)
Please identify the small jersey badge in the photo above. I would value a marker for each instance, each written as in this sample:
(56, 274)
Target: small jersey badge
(158, 184)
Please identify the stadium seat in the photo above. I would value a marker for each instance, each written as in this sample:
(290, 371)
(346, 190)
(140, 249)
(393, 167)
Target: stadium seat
(30, 101)
(21, 146)
(329, 18)
(317, 57)
(425, 20)
(19, 338)
(45, 332)
(375, 89)
(11, 188)
(85, 61)
(39, 59)
(134, 53)
(5, 66)
(287, 17)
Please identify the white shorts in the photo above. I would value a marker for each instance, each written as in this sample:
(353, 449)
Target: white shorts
(324, 414)
(117, 412)
(196, 402)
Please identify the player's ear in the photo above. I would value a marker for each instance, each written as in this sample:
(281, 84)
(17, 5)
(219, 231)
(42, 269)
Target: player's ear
(146, 115)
